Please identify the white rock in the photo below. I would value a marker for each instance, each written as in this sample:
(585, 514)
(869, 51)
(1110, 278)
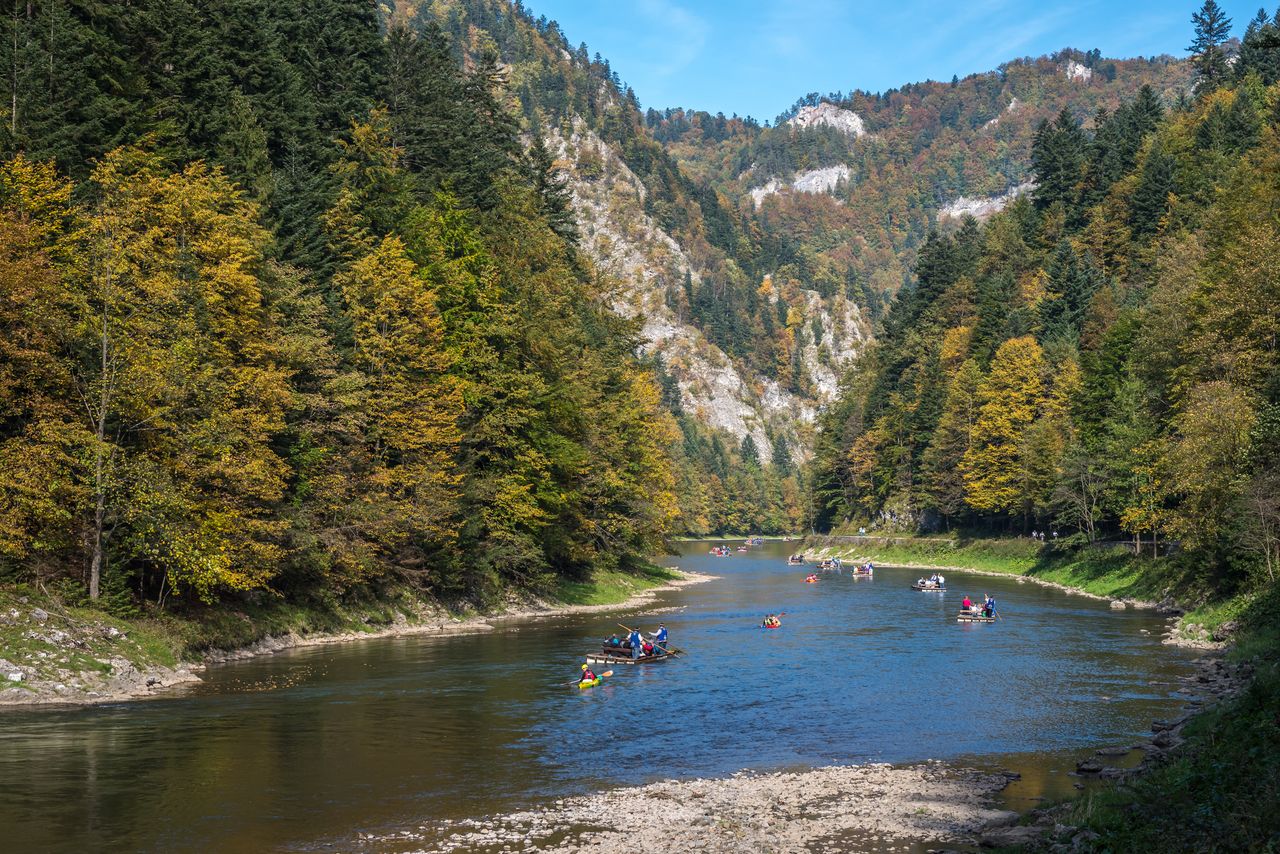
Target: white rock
(829, 115)
(822, 180)
(1076, 71)
(982, 209)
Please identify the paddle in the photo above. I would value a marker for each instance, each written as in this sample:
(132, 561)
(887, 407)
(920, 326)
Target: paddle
(607, 673)
(778, 616)
(670, 650)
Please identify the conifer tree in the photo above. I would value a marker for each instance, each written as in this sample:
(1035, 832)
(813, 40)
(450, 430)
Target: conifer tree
(1212, 26)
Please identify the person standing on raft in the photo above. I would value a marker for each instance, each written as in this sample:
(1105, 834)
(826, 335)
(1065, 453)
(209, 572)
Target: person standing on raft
(636, 643)
(660, 637)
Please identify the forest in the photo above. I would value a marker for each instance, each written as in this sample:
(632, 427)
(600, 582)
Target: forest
(288, 305)
(1100, 359)
(295, 301)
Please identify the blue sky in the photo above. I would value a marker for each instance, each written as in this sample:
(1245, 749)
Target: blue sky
(756, 57)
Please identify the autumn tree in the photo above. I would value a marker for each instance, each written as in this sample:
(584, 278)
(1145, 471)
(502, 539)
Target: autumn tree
(1008, 399)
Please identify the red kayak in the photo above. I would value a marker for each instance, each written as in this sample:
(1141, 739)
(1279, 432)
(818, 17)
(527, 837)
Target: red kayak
(772, 627)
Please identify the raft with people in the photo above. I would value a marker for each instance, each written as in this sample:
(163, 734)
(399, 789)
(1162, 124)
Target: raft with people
(927, 586)
(618, 650)
(795, 560)
(984, 613)
(865, 569)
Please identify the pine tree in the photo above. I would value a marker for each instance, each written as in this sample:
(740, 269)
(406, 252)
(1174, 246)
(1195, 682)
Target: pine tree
(1210, 60)
(1151, 197)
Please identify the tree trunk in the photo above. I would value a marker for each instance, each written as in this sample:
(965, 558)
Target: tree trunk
(100, 461)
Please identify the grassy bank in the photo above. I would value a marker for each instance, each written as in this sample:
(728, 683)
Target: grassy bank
(611, 587)
(1113, 573)
(47, 641)
(1220, 791)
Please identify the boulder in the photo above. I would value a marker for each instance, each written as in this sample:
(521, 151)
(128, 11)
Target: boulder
(1009, 837)
(1088, 766)
(1112, 751)
(39, 615)
(1004, 818)
(1117, 605)
(1165, 739)
(1226, 631)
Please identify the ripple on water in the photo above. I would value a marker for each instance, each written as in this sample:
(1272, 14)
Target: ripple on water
(298, 750)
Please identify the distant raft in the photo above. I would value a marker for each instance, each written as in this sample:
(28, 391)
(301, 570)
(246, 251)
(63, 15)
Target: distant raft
(931, 587)
(970, 617)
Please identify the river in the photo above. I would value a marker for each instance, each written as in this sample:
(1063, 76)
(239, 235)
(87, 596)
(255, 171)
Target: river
(341, 747)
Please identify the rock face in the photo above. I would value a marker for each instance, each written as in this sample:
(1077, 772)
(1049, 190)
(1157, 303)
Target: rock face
(822, 180)
(1076, 71)
(646, 261)
(829, 115)
(983, 209)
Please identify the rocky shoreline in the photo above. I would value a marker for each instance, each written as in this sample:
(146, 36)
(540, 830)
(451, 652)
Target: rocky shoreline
(70, 662)
(820, 810)
(1049, 829)
(857, 807)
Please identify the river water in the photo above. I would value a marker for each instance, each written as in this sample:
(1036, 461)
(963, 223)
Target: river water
(325, 748)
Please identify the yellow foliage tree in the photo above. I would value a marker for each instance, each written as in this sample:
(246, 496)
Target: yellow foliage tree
(1008, 398)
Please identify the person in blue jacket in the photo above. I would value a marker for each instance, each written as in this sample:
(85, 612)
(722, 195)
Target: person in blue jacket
(661, 637)
(634, 638)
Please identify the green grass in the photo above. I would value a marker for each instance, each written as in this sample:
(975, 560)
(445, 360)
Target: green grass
(611, 587)
(1221, 791)
(155, 638)
(90, 648)
(1015, 557)
(1113, 573)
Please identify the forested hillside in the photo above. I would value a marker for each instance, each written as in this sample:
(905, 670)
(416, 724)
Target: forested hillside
(286, 304)
(1101, 357)
(842, 190)
(744, 365)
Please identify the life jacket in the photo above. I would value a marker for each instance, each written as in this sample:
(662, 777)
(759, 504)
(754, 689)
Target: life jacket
(587, 676)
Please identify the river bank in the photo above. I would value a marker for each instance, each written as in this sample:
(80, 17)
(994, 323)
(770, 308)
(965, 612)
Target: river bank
(55, 655)
(1197, 619)
(1209, 776)
(824, 809)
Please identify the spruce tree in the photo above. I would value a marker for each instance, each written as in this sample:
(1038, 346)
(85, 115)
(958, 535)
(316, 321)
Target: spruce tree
(1208, 57)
